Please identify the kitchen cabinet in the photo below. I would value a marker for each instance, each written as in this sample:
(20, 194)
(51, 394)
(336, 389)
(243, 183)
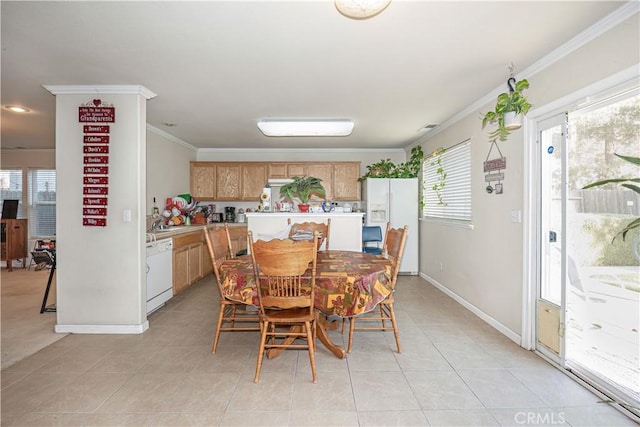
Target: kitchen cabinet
(345, 181)
(236, 181)
(203, 180)
(238, 236)
(187, 260)
(14, 241)
(254, 178)
(228, 181)
(180, 269)
(296, 169)
(277, 170)
(324, 171)
(191, 259)
(207, 265)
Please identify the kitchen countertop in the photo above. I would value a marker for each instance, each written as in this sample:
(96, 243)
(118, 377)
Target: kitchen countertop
(176, 230)
(301, 214)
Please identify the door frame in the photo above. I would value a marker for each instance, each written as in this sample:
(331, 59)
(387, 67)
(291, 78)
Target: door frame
(530, 168)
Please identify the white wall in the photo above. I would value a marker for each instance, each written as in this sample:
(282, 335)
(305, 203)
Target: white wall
(12, 158)
(167, 167)
(366, 157)
(483, 266)
(101, 270)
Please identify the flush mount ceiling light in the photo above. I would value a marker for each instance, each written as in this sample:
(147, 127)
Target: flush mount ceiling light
(361, 9)
(16, 109)
(339, 127)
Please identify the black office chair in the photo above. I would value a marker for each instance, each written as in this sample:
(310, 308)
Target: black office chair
(371, 234)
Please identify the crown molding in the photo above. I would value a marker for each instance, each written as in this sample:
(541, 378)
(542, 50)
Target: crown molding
(301, 150)
(100, 89)
(171, 137)
(596, 30)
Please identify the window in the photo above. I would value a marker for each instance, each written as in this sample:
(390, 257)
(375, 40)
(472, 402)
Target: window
(11, 188)
(42, 202)
(446, 184)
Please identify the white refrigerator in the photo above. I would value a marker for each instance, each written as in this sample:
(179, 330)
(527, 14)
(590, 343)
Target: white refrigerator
(395, 200)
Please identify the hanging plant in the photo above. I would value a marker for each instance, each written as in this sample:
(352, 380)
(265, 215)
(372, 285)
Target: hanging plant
(508, 106)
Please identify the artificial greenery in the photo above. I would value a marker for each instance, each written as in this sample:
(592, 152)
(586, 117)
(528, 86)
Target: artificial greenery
(302, 188)
(626, 183)
(512, 101)
(387, 169)
(438, 186)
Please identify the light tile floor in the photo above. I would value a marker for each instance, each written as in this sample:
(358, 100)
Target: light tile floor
(454, 370)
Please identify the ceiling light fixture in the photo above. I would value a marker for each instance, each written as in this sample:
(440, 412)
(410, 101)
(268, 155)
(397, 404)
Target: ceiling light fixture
(361, 9)
(285, 127)
(17, 109)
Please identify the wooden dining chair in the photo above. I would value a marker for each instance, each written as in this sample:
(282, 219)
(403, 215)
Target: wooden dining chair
(394, 242)
(285, 299)
(232, 316)
(322, 229)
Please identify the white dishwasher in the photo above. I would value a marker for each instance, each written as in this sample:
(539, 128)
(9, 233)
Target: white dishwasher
(159, 273)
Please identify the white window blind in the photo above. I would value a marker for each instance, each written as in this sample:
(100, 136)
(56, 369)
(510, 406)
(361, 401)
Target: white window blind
(42, 202)
(11, 188)
(452, 199)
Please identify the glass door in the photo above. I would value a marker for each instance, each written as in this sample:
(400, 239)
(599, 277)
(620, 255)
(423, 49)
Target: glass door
(588, 287)
(602, 343)
(550, 302)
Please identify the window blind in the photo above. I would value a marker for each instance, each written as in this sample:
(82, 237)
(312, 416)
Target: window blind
(42, 202)
(451, 199)
(11, 188)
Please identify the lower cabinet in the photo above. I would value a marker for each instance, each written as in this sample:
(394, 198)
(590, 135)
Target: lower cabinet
(191, 259)
(238, 235)
(187, 260)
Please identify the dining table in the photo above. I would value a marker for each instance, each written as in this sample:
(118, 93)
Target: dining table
(347, 284)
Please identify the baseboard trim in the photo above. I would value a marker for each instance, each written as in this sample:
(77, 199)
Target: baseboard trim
(504, 330)
(102, 329)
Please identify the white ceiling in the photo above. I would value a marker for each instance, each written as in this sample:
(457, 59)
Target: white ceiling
(219, 66)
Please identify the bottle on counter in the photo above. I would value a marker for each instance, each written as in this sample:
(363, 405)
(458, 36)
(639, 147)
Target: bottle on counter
(156, 211)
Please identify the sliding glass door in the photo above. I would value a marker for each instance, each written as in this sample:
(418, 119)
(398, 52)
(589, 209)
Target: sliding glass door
(589, 276)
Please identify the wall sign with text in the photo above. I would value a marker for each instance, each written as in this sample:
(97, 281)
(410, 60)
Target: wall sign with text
(95, 148)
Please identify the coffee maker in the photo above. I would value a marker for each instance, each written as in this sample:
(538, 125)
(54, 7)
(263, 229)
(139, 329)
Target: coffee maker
(230, 214)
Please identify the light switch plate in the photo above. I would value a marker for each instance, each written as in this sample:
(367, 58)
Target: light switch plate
(516, 216)
(126, 215)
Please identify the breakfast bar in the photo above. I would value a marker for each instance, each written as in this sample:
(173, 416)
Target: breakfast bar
(345, 232)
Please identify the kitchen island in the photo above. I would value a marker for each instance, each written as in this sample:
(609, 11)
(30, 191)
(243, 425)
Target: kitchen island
(345, 233)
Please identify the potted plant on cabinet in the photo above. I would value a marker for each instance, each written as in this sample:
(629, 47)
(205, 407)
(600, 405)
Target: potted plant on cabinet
(508, 112)
(302, 188)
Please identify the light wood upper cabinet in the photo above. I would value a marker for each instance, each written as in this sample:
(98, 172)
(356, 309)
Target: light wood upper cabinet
(254, 178)
(345, 181)
(228, 181)
(297, 169)
(203, 180)
(245, 180)
(324, 171)
(277, 170)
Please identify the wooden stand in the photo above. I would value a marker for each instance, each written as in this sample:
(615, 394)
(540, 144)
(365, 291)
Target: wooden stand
(14, 241)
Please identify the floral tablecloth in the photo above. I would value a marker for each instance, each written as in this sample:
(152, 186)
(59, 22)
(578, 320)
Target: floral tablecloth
(347, 283)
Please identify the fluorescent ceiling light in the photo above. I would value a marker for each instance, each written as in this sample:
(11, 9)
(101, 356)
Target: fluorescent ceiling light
(337, 127)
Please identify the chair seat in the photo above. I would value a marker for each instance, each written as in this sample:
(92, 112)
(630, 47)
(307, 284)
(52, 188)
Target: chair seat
(372, 250)
(291, 315)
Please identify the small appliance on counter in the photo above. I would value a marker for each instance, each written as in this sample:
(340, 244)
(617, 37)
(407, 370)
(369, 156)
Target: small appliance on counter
(216, 217)
(230, 214)
(241, 215)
